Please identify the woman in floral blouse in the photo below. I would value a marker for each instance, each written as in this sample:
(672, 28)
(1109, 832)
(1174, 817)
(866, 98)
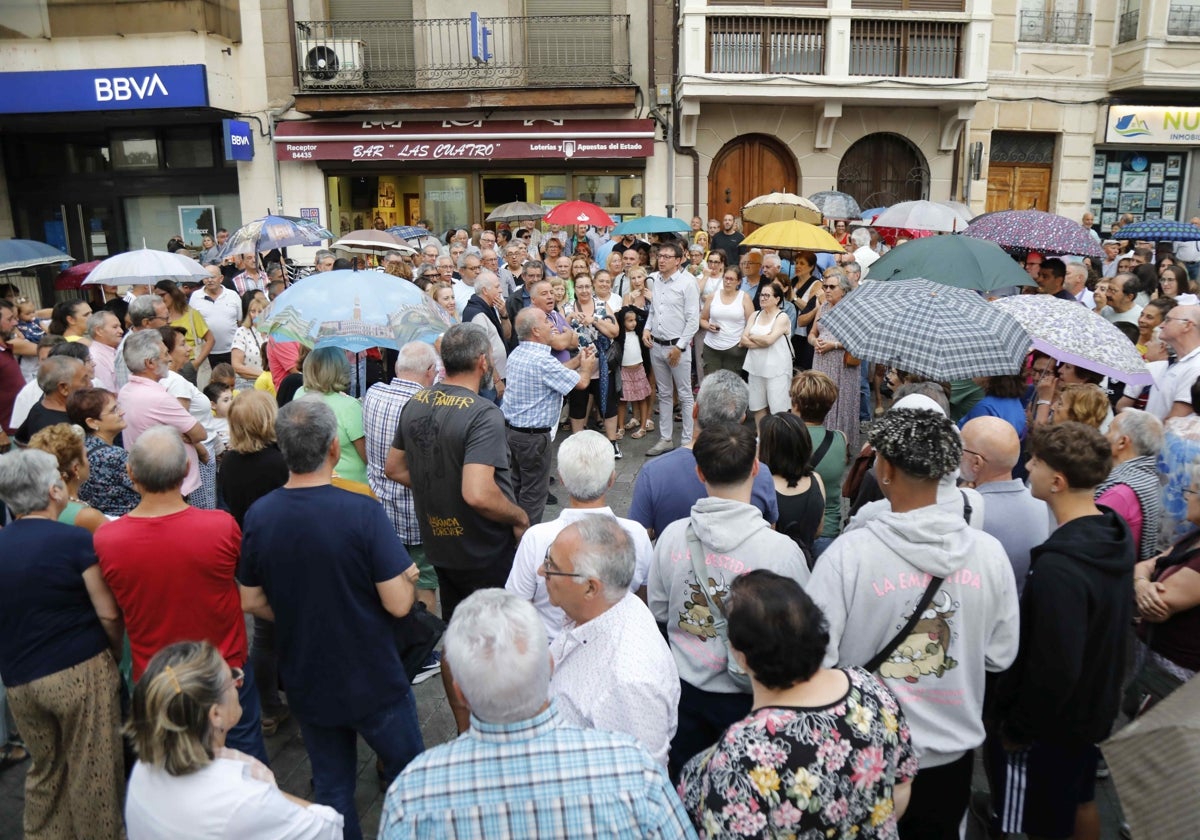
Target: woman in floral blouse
(823, 752)
(108, 488)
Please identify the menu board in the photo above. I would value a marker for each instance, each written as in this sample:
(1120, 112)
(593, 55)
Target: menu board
(1144, 185)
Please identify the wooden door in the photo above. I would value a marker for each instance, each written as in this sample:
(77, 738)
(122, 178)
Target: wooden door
(1016, 187)
(750, 166)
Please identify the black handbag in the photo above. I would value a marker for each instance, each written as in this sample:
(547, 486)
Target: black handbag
(417, 634)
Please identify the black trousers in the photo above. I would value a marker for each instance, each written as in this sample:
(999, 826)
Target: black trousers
(939, 800)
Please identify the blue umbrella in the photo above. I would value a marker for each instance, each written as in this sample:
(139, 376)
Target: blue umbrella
(16, 254)
(271, 232)
(652, 224)
(354, 310)
(1160, 230)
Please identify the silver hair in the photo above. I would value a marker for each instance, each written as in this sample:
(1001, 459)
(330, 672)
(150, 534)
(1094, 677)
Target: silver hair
(852, 266)
(485, 279)
(585, 465)
(323, 254)
(55, 371)
(932, 390)
(527, 321)
(143, 308)
(772, 259)
(305, 430)
(389, 255)
(496, 645)
(158, 460)
(605, 553)
(415, 358)
(1144, 430)
(538, 264)
(96, 321)
(26, 476)
(861, 237)
(722, 398)
(141, 348)
(843, 280)
(464, 256)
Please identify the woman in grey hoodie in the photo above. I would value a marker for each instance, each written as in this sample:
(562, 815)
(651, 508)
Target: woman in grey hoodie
(870, 582)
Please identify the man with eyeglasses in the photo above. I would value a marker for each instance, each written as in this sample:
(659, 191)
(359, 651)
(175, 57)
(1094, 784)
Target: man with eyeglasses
(511, 270)
(1171, 394)
(469, 267)
(673, 322)
(1011, 514)
(146, 312)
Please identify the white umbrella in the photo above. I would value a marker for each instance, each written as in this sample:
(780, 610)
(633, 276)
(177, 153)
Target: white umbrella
(781, 207)
(922, 215)
(370, 241)
(145, 266)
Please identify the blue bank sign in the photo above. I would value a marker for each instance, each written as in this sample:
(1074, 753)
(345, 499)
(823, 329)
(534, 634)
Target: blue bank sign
(239, 142)
(106, 89)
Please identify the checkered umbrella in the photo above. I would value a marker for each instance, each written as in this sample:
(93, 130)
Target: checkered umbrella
(1034, 230)
(1069, 332)
(1160, 230)
(927, 328)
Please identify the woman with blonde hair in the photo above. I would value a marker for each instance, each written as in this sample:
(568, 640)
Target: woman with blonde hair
(65, 442)
(327, 374)
(1086, 404)
(246, 353)
(186, 783)
(443, 295)
(198, 336)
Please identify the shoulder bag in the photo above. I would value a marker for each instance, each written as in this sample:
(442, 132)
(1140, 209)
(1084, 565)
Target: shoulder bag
(740, 678)
(887, 650)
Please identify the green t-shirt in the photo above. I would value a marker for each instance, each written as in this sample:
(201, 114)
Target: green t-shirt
(832, 469)
(350, 428)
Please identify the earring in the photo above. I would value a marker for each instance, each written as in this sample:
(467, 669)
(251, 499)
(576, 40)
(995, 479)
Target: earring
(887, 481)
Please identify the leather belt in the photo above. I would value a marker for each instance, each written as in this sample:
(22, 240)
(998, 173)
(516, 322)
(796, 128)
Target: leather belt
(542, 431)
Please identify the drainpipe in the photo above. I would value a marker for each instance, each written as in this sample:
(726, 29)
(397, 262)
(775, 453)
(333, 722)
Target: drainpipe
(680, 150)
(272, 116)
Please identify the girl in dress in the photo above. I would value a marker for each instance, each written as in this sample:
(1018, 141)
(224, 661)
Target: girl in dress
(635, 386)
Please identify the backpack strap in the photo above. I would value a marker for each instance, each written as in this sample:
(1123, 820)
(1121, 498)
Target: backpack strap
(887, 650)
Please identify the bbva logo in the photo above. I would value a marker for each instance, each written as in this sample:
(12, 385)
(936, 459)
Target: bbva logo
(122, 88)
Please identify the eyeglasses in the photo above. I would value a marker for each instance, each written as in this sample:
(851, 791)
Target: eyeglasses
(1191, 491)
(1181, 320)
(550, 570)
(238, 678)
(830, 286)
(973, 452)
(714, 262)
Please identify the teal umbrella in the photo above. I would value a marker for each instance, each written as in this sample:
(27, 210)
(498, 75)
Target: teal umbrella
(651, 224)
(957, 261)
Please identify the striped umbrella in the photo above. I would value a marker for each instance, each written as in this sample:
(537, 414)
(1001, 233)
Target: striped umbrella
(923, 327)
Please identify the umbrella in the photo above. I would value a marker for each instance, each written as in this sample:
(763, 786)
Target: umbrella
(1035, 230)
(836, 205)
(146, 266)
(73, 277)
(1070, 332)
(578, 213)
(1161, 230)
(795, 236)
(922, 215)
(954, 261)
(1155, 761)
(517, 211)
(354, 310)
(271, 232)
(652, 224)
(781, 207)
(957, 206)
(16, 254)
(927, 328)
(370, 241)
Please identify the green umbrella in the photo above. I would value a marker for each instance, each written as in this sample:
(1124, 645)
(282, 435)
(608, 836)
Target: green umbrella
(952, 261)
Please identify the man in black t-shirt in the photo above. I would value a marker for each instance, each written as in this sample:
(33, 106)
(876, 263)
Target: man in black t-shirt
(451, 449)
(728, 240)
(58, 377)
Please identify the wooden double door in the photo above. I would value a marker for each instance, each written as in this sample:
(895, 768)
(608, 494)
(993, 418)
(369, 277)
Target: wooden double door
(1014, 186)
(750, 166)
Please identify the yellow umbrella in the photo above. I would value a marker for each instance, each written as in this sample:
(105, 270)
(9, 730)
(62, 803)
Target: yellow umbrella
(781, 207)
(794, 236)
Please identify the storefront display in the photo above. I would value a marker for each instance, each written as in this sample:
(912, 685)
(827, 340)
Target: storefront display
(1143, 173)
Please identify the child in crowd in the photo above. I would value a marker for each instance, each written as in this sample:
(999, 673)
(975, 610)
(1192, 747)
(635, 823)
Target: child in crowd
(634, 384)
(220, 394)
(32, 331)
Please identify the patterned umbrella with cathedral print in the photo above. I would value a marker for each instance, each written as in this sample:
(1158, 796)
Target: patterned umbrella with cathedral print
(354, 310)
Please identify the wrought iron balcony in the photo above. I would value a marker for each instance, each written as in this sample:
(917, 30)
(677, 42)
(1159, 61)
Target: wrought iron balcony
(1183, 20)
(459, 54)
(1055, 27)
(906, 49)
(790, 45)
(1127, 27)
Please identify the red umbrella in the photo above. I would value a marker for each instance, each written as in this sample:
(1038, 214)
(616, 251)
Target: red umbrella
(74, 276)
(578, 213)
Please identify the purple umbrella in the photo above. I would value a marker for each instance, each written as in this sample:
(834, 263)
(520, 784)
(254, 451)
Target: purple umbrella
(1035, 230)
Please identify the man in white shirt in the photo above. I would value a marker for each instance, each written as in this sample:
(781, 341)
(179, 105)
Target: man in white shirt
(469, 266)
(586, 467)
(674, 320)
(222, 311)
(1076, 284)
(612, 667)
(863, 255)
(1171, 394)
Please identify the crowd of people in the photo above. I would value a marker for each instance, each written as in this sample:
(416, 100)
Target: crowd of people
(819, 605)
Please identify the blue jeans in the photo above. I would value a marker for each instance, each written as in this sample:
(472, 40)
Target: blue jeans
(247, 736)
(864, 391)
(393, 732)
(820, 544)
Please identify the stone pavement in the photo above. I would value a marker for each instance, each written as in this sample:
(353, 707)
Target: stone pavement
(290, 761)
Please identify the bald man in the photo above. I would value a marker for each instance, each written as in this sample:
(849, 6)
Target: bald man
(1011, 513)
(1170, 395)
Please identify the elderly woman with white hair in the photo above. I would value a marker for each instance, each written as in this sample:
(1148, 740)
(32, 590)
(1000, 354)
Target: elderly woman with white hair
(327, 374)
(830, 358)
(59, 628)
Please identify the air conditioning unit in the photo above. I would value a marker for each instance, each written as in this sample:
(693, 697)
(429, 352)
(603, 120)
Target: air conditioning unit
(330, 62)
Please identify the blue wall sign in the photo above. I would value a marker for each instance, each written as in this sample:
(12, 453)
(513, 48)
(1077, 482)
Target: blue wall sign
(239, 141)
(104, 89)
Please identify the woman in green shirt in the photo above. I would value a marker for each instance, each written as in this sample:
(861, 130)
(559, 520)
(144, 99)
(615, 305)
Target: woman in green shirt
(327, 373)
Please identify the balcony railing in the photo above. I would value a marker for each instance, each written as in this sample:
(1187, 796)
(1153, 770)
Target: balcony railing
(1056, 27)
(1127, 27)
(792, 46)
(444, 54)
(1183, 20)
(906, 49)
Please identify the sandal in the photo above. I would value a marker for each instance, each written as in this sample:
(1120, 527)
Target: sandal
(648, 426)
(639, 434)
(632, 423)
(13, 754)
(620, 434)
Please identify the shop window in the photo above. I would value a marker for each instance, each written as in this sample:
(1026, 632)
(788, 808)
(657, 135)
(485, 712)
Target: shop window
(447, 203)
(134, 150)
(1134, 185)
(189, 148)
(89, 158)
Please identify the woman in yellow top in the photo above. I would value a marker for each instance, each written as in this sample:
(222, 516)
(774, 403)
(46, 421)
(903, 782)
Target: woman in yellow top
(199, 338)
(69, 319)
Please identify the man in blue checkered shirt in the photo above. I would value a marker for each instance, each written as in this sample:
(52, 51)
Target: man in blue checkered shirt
(519, 771)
